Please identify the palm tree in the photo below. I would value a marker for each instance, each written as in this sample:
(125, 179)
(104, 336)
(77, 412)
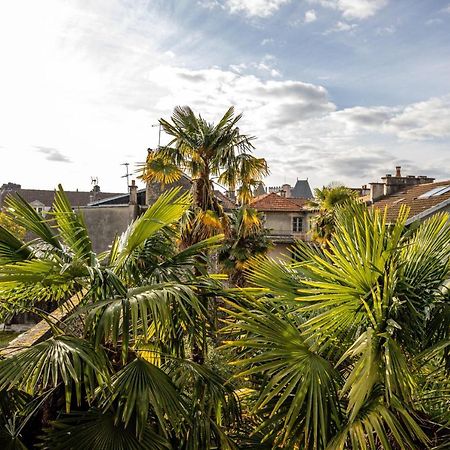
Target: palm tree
(326, 201)
(114, 373)
(206, 152)
(246, 239)
(349, 347)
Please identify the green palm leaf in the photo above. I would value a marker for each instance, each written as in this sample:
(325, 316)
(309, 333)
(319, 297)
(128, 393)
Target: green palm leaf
(167, 210)
(26, 216)
(60, 359)
(299, 387)
(71, 227)
(94, 430)
(140, 387)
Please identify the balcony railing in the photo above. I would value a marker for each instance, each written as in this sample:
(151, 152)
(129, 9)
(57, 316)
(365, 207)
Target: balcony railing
(286, 234)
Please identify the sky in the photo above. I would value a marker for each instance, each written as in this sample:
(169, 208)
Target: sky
(333, 90)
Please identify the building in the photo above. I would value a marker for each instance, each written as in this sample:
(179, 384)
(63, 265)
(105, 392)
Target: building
(390, 185)
(287, 219)
(42, 200)
(424, 200)
(300, 190)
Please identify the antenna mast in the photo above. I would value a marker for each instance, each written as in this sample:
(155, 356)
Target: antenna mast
(159, 132)
(127, 175)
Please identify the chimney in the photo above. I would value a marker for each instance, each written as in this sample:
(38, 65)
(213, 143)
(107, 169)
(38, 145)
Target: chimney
(398, 171)
(376, 191)
(287, 190)
(133, 193)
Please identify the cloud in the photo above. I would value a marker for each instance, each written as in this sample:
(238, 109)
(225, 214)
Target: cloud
(354, 9)
(267, 41)
(53, 154)
(341, 26)
(266, 66)
(384, 31)
(310, 16)
(269, 102)
(418, 121)
(250, 8)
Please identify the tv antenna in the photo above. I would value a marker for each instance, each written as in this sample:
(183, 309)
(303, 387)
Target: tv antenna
(159, 132)
(127, 175)
(94, 181)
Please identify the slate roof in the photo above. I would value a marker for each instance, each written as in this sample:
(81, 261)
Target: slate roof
(302, 190)
(121, 199)
(411, 197)
(76, 198)
(274, 202)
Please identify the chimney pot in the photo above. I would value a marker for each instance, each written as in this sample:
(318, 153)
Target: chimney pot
(398, 171)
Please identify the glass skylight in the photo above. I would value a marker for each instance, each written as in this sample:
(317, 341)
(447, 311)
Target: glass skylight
(436, 192)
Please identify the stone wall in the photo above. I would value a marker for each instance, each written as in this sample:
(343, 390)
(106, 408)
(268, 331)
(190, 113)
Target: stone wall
(104, 223)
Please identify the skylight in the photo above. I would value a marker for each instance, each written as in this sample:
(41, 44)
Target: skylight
(436, 192)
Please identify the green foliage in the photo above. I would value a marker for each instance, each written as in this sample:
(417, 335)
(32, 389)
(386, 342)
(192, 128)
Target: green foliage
(346, 348)
(352, 328)
(326, 201)
(246, 238)
(120, 357)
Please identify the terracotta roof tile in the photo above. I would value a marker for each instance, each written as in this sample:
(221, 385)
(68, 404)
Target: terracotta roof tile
(274, 202)
(410, 197)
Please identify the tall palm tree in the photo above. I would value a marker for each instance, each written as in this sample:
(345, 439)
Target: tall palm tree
(114, 373)
(349, 347)
(206, 152)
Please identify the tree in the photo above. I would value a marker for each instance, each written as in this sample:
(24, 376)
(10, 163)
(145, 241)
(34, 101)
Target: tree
(326, 201)
(246, 239)
(114, 373)
(349, 347)
(205, 152)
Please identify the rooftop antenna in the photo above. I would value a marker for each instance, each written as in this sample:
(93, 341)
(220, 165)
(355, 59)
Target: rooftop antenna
(127, 175)
(94, 181)
(159, 132)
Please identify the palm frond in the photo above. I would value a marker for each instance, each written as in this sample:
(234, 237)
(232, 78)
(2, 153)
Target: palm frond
(94, 430)
(60, 359)
(140, 387)
(72, 229)
(26, 216)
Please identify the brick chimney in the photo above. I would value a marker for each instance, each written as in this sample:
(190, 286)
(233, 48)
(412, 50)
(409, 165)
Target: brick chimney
(398, 171)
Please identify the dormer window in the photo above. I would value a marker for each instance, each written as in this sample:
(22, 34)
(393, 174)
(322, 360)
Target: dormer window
(297, 224)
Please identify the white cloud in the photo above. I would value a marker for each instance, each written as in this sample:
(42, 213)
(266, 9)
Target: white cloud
(385, 31)
(267, 41)
(310, 16)
(341, 26)
(419, 121)
(354, 9)
(86, 84)
(266, 66)
(255, 8)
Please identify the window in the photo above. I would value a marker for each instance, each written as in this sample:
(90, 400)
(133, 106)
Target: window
(436, 192)
(297, 224)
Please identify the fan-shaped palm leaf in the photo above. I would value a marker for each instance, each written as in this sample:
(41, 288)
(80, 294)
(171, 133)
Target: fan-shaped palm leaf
(65, 359)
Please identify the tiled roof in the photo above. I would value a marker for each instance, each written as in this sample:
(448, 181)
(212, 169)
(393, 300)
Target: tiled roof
(76, 198)
(410, 197)
(274, 202)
